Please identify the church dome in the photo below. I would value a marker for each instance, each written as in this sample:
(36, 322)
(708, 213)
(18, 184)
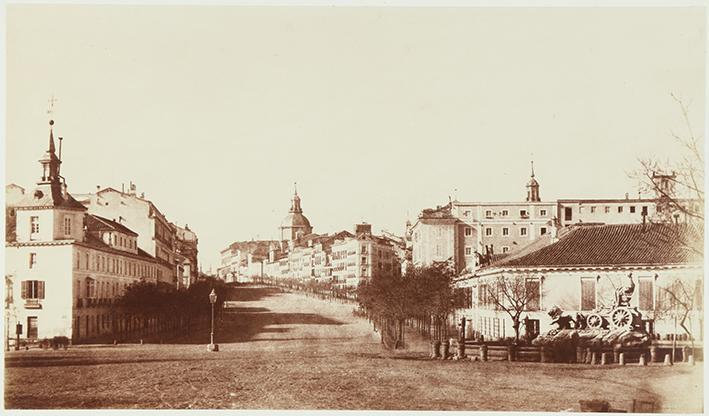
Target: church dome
(295, 220)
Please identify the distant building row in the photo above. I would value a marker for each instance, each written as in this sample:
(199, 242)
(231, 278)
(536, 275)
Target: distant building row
(343, 259)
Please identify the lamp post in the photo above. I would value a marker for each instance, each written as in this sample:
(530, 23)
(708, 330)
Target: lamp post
(212, 346)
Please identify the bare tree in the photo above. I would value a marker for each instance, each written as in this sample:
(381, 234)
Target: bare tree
(515, 294)
(678, 301)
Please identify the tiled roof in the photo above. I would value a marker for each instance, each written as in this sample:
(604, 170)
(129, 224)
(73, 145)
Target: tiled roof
(49, 196)
(622, 244)
(95, 222)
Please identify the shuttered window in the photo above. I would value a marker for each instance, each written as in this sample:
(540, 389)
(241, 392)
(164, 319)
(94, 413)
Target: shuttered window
(32, 289)
(645, 294)
(588, 294)
(531, 287)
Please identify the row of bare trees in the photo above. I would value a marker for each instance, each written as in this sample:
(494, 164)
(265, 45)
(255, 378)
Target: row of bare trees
(423, 294)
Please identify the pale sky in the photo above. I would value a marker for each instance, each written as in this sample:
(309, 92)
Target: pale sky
(214, 112)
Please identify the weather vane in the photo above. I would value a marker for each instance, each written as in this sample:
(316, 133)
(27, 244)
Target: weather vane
(51, 102)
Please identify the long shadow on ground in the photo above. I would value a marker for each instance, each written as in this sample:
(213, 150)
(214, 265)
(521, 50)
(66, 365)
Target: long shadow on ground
(243, 323)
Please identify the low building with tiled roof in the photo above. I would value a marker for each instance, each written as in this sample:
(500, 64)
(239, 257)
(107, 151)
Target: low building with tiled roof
(581, 272)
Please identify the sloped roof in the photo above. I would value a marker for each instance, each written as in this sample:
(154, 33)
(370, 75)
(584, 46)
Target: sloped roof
(618, 244)
(97, 223)
(49, 196)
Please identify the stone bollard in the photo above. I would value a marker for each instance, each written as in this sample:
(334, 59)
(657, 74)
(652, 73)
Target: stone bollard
(483, 352)
(621, 358)
(589, 355)
(594, 357)
(604, 358)
(542, 354)
(642, 360)
(668, 359)
(685, 353)
(461, 348)
(445, 348)
(141, 341)
(616, 354)
(691, 360)
(434, 349)
(653, 354)
(580, 355)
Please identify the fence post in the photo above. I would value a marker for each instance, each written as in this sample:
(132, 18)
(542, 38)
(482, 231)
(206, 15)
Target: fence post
(511, 353)
(542, 354)
(580, 355)
(621, 358)
(653, 354)
(483, 352)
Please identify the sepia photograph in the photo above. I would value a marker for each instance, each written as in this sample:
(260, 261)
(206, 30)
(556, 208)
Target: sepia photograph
(384, 206)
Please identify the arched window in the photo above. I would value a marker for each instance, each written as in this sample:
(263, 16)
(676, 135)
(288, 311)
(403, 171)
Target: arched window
(90, 287)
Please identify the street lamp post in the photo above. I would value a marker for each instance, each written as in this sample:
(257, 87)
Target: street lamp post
(212, 346)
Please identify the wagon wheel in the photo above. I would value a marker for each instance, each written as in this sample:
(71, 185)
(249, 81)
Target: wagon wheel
(621, 318)
(594, 321)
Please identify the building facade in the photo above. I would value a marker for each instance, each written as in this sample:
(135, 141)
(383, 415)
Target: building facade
(581, 272)
(66, 267)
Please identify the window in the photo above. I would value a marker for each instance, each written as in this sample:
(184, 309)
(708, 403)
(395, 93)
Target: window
(531, 288)
(34, 226)
(468, 231)
(468, 251)
(542, 230)
(33, 260)
(620, 210)
(505, 231)
(67, 225)
(482, 295)
(543, 212)
(505, 249)
(505, 212)
(32, 330)
(488, 231)
(466, 213)
(644, 210)
(593, 210)
(90, 288)
(523, 231)
(588, 293)
(32, 289)
(568, 215)
(632, 209)
(607, 210)
(523, 213)
(488, 214)
(645, 294)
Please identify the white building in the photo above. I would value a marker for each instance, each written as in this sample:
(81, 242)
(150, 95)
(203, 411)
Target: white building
(66, 267)
(580, 272)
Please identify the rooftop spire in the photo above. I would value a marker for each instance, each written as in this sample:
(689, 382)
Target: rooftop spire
(52, 149)
(532, 161)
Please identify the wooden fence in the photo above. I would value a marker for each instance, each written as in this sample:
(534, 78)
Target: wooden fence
(656, 353)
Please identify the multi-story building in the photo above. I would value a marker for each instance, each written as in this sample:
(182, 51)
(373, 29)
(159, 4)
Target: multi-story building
(66, 267)
(460, 232)
(156, 235)
(243, 260)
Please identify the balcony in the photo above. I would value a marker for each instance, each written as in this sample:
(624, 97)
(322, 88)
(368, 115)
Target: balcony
(33, 304)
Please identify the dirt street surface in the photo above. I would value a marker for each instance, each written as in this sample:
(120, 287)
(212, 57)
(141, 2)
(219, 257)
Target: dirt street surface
(289, 351)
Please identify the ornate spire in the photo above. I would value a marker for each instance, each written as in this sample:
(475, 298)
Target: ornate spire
(295, 203)
(50, 162)
(532, 161)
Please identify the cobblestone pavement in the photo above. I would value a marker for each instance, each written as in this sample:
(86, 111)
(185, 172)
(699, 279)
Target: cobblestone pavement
(289, 351)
